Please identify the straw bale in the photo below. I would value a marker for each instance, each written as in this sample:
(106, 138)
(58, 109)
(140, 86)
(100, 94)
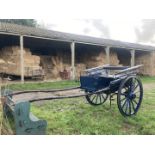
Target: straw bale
(11, 57)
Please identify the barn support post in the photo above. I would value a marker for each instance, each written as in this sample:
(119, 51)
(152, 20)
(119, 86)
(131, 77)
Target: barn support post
(22, 58)
(132, 57)
(73, 60)
(107, 50)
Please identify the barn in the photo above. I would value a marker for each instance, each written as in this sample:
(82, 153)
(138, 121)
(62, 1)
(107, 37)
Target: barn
(30, 52)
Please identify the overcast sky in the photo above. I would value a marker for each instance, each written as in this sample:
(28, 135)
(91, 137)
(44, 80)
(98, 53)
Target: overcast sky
(111, 29)
(112, 19)
(140, 31)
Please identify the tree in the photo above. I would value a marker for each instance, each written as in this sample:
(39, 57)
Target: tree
(26, 22)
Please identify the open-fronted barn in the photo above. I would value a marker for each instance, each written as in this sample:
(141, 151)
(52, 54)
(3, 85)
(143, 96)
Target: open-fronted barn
(27, 51)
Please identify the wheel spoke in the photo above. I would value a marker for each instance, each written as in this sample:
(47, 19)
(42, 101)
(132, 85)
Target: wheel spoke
(137, 97)
(103, 97)
(122, 99)
(133, 107)
(136, 92)
(124, 104)
(129, 107)
(136, 87)
(96, 99)
(100, 99)
(93, 98)
(126, 89)
(135, 102)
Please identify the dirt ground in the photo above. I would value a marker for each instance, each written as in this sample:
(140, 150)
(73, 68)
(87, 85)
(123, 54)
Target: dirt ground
(30, 96)
(149, 86)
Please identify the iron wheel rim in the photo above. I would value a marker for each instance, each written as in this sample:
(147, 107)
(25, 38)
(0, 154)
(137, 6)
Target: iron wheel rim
(130, 96)
(97, 99)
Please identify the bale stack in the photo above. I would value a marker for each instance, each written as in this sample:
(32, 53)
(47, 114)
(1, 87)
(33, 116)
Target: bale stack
(54, 65)
(99, 59)
(114, 59)
(148, 60)
(45, 62)
(94, 59)
(10, 61)
(80, 67)
(153, 63)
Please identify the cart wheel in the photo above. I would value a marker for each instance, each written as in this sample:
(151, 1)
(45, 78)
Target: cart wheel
(130, 95)
(97, 99)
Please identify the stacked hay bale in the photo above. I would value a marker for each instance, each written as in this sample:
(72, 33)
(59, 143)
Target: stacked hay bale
(99, 58)
(94, 59)
(114, 59)
(80, 67)
(153, 63)
(55, 65)
(61, 66)
(10, 61)
(148, 60)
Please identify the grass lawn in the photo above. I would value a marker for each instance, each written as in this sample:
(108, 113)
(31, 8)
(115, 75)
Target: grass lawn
(76, 116)
(43, 85)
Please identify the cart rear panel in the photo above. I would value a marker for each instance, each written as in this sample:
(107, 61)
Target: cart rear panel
(91, 84)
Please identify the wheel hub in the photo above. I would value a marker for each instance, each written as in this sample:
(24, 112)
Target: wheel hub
(132, 96)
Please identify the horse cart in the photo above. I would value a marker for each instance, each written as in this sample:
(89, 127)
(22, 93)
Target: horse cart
(98, 84)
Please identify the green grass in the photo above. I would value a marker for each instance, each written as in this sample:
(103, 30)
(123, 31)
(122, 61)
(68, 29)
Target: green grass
(41, 85)
(147, 79)
(76, 116)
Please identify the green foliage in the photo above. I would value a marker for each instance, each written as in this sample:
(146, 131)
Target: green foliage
(26, 22)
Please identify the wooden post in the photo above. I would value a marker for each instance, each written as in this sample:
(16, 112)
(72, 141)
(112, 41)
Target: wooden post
(107, 50)
(22, 58)
(132, 63)
(73, 60)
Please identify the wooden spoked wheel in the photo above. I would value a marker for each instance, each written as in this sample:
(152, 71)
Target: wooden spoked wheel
(130, 95)
(97, 99)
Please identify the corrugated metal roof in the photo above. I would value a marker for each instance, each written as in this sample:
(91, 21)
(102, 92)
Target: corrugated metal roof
(38, 32)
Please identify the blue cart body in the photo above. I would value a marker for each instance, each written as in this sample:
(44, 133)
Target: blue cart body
(99, 78)
(92, 84)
